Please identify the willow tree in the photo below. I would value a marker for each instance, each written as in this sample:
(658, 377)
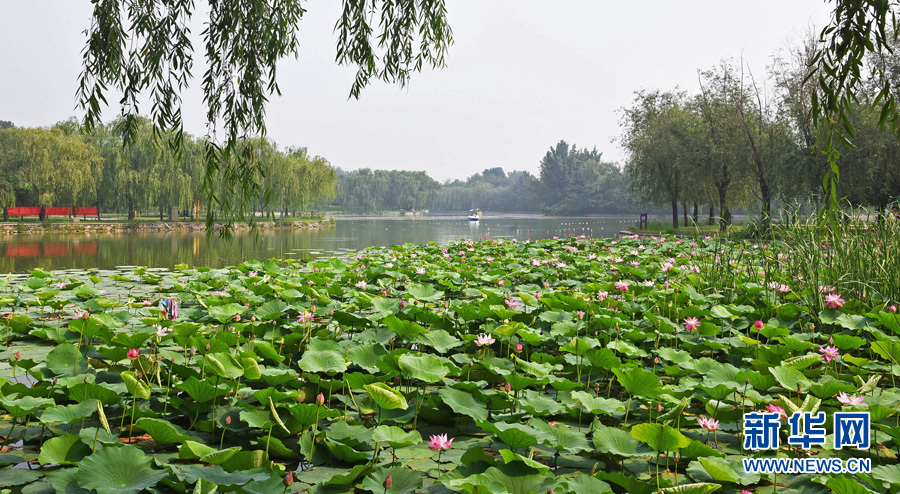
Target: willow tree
(142, 49)
(655, 168)
(62, 167)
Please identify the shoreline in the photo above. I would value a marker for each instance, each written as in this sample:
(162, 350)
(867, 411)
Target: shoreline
(11, 228)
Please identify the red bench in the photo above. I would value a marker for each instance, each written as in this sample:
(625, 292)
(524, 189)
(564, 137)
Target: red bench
(45, 212)
(23, 211)
(57, 211)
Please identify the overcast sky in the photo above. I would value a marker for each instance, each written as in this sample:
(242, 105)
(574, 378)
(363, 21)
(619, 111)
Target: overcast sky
(521, 76)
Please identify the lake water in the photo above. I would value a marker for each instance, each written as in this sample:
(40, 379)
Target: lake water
(166, 249)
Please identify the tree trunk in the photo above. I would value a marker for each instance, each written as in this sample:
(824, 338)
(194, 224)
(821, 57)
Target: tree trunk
(675, 213)
(695, 213)
(712, 215)
(684, 212)
(723, 209)
(766, 194)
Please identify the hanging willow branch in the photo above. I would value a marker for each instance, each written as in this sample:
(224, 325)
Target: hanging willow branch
(142, 49)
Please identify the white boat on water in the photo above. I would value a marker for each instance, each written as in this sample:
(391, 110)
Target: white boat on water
(475, 215)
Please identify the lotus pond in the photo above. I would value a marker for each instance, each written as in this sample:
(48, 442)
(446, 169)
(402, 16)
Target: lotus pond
(561, 365)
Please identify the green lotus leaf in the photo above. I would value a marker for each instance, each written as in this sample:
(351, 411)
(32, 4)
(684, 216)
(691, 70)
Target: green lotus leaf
(615, 441)
(438, 339)
(26, 405)
(698, 488)
(221, 456)
(395, 436)
(308, 414)
(559, 437)
(660, 437)
(64, 360)
(136, 387)
(162, 431)
(14, 477)
(510, 456)
(406, 330)
(587, 483)
(329, 362)
(425, 367)
(68, 414)
(122, 469)
(270, 310)
(790, 378)
(64, 450)
(227, 312)
(191, 450)
(386, 397)
(464, 403)
(424, 292)
(849, 485)
(200, 391)
(597, 405)
(351, 435)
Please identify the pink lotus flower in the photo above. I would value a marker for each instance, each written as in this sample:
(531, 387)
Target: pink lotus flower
(484, 339)
(709, 423)
(850, 400)
(519, 348)
(745, 491)
(133, 353)
(512, 304)
(439, 442)
(834, 300)
(691, 323)
(601, 296)
(304, 316)
(777, 409)
(758, 325)
(829, 352)
(252, 274)
(61, 285)
(622, 286)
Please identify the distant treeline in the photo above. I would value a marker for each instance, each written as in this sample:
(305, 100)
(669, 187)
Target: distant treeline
(62, 166)
(572, 181)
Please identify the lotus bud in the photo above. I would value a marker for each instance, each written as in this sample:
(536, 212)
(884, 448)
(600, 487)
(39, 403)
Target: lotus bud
(133, 353)
(507, 387)
(85, 315)
(659, 406)
(471, 364)
(18, 355)
(893, 309)
(320, 399)
(758, 325)
(519, 348)
(288, 479)
(207, 347)
(388, 482)
(86, 380)
(237, 317)
(228, 420)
